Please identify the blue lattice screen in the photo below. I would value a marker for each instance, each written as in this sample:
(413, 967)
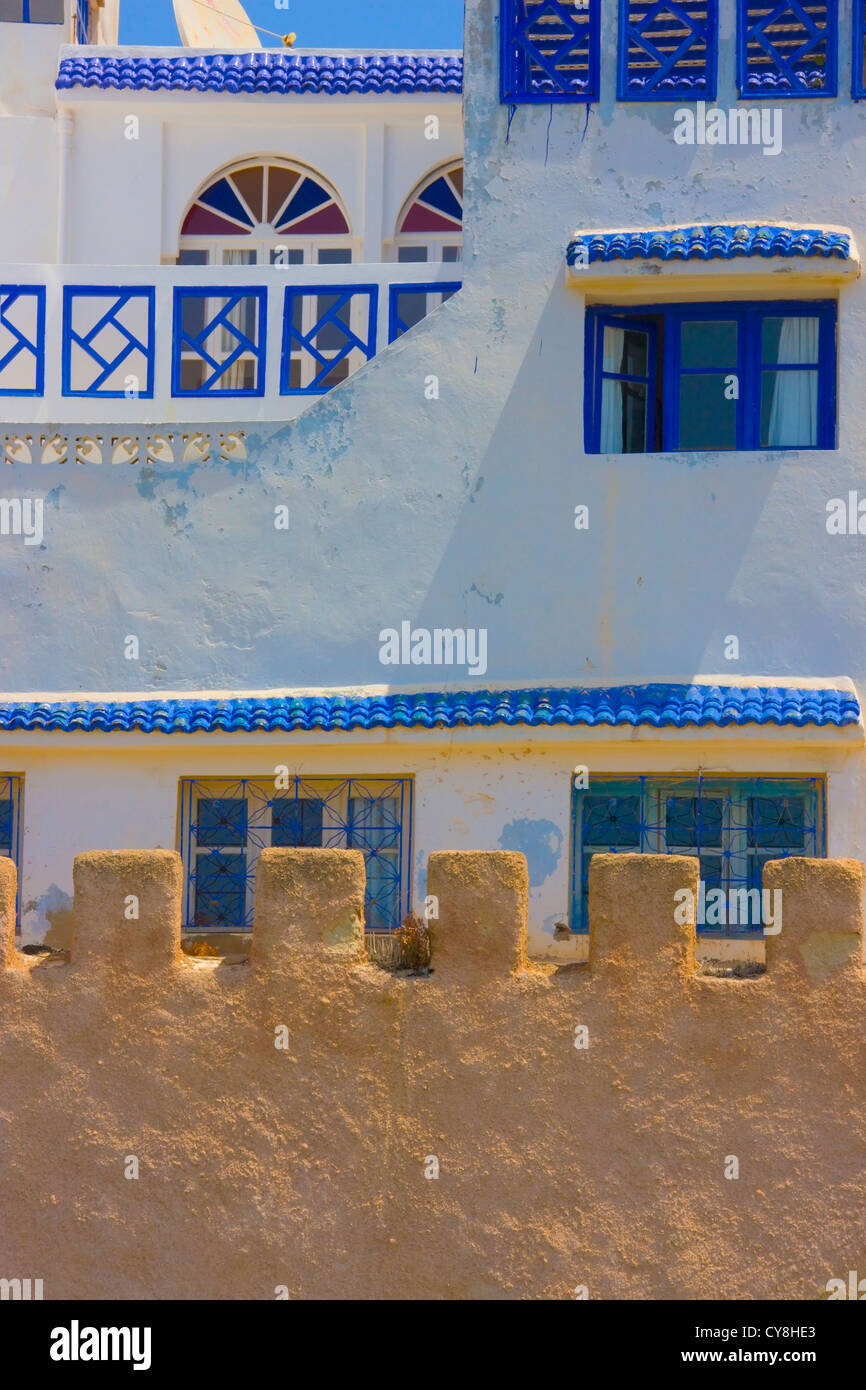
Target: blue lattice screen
(550, 50)
(226, 824)
(667, 51)
(732, 826)
(787, 49)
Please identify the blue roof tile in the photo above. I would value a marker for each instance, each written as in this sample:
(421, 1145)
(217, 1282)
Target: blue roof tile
(660, 706)
(272, 73)
(708, 243)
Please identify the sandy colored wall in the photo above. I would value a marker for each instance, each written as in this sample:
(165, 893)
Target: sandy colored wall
(560, 1167)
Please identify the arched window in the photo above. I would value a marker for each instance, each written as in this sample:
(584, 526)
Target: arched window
(266, 212)
(430, 227)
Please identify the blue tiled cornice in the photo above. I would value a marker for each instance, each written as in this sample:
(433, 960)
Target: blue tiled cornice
(660, 706)
(708, 243)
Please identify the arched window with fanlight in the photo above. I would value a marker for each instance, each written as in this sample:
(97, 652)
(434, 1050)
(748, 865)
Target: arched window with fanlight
(430, 225)
(266, 212)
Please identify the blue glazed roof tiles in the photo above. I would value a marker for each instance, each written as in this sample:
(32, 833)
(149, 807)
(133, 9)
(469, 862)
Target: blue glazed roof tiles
(272, 73)
(708, 242)
(658, 706)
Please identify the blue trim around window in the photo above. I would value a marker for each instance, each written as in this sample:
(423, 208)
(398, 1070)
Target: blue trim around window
(783, 77)
(11, 795)
(9, 295)
(536, 74)
(87, 343)
(858, 66)
(687, 71)
(328, 322)
(733, 825)
(748, 369)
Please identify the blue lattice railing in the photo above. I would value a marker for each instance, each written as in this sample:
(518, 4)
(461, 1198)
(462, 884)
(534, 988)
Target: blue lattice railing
(226, 824)
(550, 50)
(667, 51)
(409, 304)
(733, 826)
(787, 49)
(108, 342)
(327, 334)
(219, 341)
(22, 340)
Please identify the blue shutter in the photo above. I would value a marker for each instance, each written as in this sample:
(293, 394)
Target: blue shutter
(551, 50)
(668, 52)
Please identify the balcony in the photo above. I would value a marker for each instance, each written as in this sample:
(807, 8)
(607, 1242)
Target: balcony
(145, 345)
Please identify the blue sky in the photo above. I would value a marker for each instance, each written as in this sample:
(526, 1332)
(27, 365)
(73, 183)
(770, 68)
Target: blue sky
(319, 23)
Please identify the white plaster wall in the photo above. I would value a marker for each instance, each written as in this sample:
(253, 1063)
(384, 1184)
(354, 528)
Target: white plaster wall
(28, 141)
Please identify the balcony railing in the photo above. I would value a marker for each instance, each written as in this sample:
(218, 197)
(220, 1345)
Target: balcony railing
(155, 345)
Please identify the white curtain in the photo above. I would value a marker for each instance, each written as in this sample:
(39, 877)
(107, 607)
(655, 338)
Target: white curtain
(243, 316)
(794, 412)
(612, 414)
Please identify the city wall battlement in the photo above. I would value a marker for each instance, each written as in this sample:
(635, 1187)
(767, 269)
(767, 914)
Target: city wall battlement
(308, 1123)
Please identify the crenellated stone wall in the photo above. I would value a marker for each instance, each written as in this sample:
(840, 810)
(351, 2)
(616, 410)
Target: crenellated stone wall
(287, 1116)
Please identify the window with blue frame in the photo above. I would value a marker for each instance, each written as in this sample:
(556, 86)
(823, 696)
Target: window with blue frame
(226, 824)
(668, 51)
(551, 50)
(11, 788)
(733, 826)
(858, 71)
(711, 376)
(787, 49)
(32, 11)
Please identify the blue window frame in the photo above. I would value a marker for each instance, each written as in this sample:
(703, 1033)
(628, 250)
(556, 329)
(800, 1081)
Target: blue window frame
(668, 51)
(22, 340)
(33, 12)
(711, 376)
(108, 339)
(550, 50)
(858, 70)
(409, 304)
(226, 823)
(82, 21)
(732, 825)
(11, 790)
(789, 49)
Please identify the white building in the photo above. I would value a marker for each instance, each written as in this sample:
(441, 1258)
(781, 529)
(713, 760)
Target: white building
(587, 515)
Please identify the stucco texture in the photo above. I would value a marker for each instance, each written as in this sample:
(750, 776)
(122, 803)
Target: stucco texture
(560, 1167)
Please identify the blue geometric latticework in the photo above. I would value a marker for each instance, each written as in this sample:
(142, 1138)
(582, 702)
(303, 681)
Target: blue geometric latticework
(667, 49)
(314, 357)
(550, 50)
(787, 49)
(271, 73)
(732, 826)
(219, 342)
(226, 825)
(409, 304)
(103, 343)
(708, 243)
(657, 706)
(22, 340)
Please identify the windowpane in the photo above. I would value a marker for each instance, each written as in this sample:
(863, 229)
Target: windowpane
(221, 821)
(335, 255)
(708, 343)
(6, 827)
(220, 890)
(777, 822)
(693, 821)
(708, 420)
(296, 824)
(407, 255)
(611, 822)
(789, 409)
(623, 417)
(789, 340)
(626, 351)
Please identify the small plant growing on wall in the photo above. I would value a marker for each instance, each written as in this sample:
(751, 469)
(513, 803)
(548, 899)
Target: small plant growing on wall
(413, 942)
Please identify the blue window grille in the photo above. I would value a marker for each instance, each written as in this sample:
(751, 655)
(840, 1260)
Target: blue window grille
(226, 824)
(409, 304)
(82, 21)
(22, 340)
(787, 49)
(668, 51)
(108, 346)
(711, 376)
(11, 789)
(551, 50)
(858, 71)
(327, 335)
(733, 826)
(219, 342)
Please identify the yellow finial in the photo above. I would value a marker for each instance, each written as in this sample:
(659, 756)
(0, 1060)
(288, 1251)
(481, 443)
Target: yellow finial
(289, 40)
